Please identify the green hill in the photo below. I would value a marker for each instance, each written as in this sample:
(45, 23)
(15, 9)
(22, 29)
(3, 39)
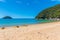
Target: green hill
(52, 12)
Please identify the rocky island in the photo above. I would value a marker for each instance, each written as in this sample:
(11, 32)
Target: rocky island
(7, 17)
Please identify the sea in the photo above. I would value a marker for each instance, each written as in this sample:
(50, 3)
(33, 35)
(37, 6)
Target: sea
(19, 22)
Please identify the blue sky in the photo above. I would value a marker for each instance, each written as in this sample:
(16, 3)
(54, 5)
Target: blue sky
(24, 8)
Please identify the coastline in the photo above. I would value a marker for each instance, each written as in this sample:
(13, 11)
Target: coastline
(32, 32)
(50, 21)
(27, 25)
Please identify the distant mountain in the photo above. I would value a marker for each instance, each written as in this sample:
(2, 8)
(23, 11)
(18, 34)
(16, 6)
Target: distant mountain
(52, 12)
(7, 17)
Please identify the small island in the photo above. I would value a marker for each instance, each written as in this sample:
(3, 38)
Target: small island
(7, 17)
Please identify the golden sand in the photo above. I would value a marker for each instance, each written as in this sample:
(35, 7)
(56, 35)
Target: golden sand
(46, 31)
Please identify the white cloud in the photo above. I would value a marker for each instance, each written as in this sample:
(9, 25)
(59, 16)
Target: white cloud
(2, 0)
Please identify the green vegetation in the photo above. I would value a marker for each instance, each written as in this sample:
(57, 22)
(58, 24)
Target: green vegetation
(7, 17)
(50, 13)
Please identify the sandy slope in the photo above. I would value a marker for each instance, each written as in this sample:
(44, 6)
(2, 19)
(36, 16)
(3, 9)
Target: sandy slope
(46, 31)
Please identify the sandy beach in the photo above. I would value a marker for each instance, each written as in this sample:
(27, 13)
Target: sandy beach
(44, 31)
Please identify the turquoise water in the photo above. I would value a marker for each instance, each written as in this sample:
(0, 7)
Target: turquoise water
(15, 22)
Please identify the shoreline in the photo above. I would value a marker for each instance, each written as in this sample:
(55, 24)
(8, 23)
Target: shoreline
(29, 25)
(32, 24)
